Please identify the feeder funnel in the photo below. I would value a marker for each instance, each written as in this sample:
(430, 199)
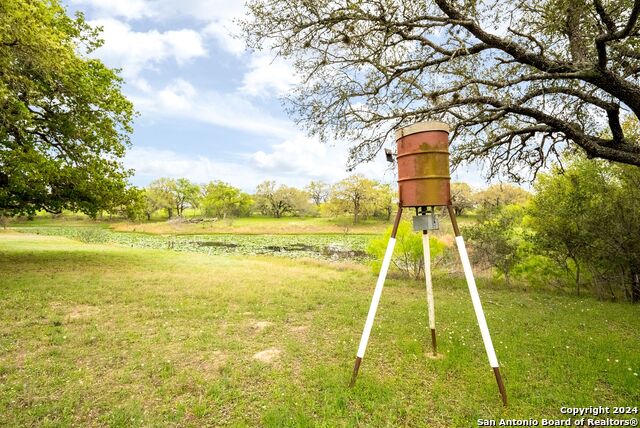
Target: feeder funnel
(423, 164)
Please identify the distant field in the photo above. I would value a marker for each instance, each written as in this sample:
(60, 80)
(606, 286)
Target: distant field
(245, 225)
(100, 335)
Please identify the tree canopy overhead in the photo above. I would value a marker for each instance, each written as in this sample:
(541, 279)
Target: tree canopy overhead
(519, 81)
(64, 123)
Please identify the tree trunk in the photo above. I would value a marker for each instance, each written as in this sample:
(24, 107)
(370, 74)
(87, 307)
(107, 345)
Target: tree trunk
(635, 287)
(356, 209)
(577, 277)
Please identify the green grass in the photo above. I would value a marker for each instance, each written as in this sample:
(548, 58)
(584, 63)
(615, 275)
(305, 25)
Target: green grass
(98, 335)
(244, 225)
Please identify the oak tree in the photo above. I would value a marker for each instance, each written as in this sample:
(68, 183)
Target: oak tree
(64, 122)
(520, 82)
(223, 200)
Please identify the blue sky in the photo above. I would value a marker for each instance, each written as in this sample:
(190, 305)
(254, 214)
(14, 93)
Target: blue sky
(209, 109)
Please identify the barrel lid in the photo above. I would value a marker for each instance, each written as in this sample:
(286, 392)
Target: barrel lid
(421, 127)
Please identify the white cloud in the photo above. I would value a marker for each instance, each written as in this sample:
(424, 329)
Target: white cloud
(301, 156)
(294, 162)
(135, 51)
(151, 163)
(181, 99)
(222, 31)
(300, 159)
(268, 76)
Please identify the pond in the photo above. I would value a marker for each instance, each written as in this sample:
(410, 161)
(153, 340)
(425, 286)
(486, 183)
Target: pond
(328, 247)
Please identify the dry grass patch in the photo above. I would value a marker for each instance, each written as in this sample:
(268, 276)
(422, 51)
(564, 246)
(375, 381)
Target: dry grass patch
(268, 355)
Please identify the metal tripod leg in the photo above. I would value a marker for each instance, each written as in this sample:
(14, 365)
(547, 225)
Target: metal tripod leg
(477, 306)
(386, 261)
(427, 277)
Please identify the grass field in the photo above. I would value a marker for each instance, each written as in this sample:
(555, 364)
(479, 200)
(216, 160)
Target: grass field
(244, 225)
(101, 335)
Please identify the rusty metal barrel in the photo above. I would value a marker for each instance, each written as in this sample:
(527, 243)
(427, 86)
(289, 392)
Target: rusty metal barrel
(423, 164)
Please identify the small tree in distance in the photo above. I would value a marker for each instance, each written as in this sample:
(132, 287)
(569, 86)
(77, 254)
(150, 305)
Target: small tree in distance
(222, 200)
(499, 195)
(159, 195)
(355, 195)
(462, 197)
(318, 191)
(278, 201)
(185, 194)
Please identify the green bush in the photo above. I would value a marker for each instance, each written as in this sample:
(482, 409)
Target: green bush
(91, 235)
(408, 253)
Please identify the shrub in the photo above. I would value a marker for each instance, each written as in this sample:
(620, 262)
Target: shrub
(91, 235)
(408, 253)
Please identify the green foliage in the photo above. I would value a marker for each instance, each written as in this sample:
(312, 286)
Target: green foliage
(133, 206)
(159, 195)
(462, 197)
(496, 196)
(91, 235)
(64, 122)
(355, 195)
(499, 239)
(318, 191)
(386, 197)
(186, 194)
(408, 254)
(221, 200)
(587, 216)
(278, 201)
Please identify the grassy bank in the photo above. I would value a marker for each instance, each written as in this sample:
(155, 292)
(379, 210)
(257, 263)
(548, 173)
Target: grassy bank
(96, 335)
(190, 226)
(243, 226)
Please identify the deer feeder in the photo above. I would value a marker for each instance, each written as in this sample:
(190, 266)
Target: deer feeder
(424, 184)
(423, 165)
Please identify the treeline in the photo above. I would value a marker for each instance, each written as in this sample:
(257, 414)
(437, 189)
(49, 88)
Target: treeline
(580, 229)
(355, 196)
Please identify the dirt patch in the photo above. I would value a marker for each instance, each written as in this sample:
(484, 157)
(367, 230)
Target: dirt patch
(430, 356)
(299, 329)
(261, 325)
(268, 355)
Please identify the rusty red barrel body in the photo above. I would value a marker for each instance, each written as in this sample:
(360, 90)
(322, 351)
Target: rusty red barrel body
(423, 164)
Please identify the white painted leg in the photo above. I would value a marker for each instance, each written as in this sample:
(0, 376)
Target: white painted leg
(482, 322)
(364, 340)
(429, 284)
(386, 261)
(477, 306)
